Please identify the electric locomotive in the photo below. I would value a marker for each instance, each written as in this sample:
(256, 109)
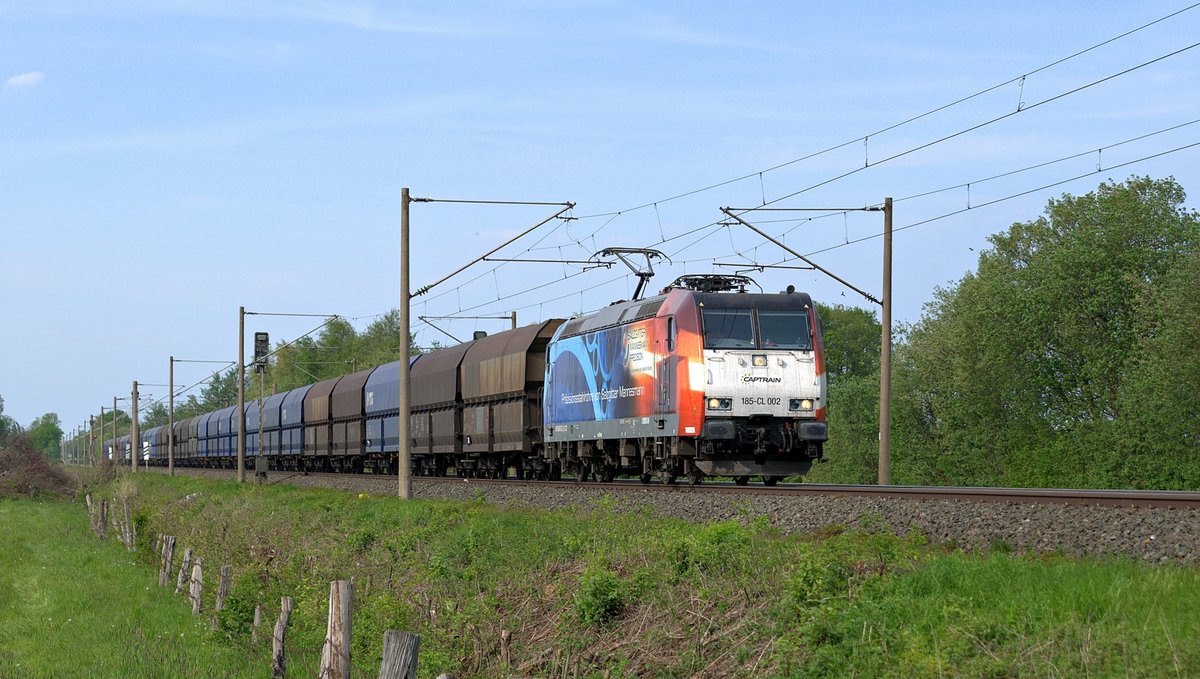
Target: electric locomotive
(705, 379)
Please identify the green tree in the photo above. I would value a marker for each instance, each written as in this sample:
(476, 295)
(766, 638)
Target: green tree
(852, 338)
(380, 342)
(335, 351)
(7, 424)
(220, 392)
(1162, 388)
(1016, 374)
(155, 416)
(45, 435)
(188, 407)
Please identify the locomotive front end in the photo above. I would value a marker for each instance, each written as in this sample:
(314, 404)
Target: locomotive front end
(764, 391)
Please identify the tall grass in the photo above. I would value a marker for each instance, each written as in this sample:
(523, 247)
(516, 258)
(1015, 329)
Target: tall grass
(73, 606)
(999, 615)
(606, 591)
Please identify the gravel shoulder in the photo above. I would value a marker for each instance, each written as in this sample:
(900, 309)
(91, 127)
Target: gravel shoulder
(1148, 534)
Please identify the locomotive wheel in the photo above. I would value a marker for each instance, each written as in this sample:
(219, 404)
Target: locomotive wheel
(771, 480)
(647, 478)
(667, 478)
(741, 480)
(695, 477)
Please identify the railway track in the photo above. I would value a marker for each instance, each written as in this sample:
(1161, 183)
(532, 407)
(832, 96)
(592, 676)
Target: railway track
(1105, 498)
(1063, 496)
(1155, 526)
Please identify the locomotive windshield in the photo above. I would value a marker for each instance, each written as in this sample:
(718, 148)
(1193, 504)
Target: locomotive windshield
(757, 329)
(728, 329)
(784, 330)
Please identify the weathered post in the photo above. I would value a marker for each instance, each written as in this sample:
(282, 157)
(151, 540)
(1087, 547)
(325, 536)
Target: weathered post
(400, 650)
(127, 528)
(91, 511)
(257, 623)
(183, 570)
(168, 560)
(505, 650)
(129, 533)
(335, 654)
(102, 518)
(197, 588)
(278, 663)
(223, 587)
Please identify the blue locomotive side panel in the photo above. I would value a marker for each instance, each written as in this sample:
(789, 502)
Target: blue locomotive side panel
(603, 375)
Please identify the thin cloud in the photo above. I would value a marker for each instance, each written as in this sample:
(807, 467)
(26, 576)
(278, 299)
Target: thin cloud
(365, 17)
(29, 79)
(663, 28)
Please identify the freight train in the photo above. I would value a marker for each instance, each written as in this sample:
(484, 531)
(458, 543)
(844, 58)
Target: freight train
(704, 379)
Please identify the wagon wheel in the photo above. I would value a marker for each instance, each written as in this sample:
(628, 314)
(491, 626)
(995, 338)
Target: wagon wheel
(741, 480)
(771, 480)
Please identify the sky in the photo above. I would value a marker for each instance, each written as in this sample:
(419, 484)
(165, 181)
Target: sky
(164, 163)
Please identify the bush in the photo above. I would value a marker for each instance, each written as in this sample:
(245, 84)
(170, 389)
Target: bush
(24, 472)
(711, 549)
(601, 596)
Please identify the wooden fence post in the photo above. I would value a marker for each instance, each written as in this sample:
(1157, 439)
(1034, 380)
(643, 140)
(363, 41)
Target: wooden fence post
(183, 570)
(257, 623)
(335, 654)
(168, 560)
(197, 588)
(223, 588)
(278, 664)
(400, 650)
(127, 530)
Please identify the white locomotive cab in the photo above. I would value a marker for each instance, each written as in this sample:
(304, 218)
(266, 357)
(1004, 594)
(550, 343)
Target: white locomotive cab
(760, 362)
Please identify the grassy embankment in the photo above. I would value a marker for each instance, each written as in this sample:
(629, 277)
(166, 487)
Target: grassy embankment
(73, 606)
(597, 592)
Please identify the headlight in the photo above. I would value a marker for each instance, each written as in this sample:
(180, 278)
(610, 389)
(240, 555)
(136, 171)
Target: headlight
(720, 404)
(760, 360)
(800, 404)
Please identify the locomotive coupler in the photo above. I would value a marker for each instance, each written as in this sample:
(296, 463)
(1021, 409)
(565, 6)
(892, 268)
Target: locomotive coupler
(760, 446)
